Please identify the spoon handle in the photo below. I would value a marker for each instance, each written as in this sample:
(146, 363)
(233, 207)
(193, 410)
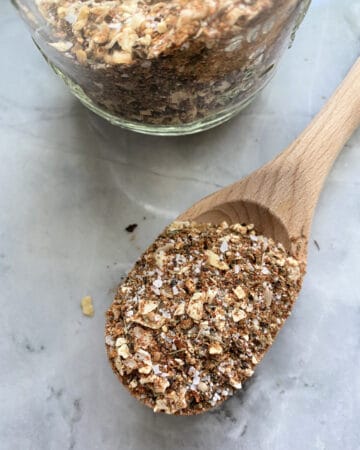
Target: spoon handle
(317, 147)
(280, 197)
(292, 182)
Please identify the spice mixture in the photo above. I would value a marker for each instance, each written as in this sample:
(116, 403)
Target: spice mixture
(169, 62)
(197, 313)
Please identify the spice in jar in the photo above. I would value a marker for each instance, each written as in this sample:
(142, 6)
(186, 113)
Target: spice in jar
(197, 313)
(168, 63)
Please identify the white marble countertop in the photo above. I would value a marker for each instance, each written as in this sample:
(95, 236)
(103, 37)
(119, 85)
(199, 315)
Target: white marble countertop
(70, 184)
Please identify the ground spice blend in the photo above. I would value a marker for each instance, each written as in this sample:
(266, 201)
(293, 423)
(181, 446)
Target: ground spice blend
(197, 313)
(167, 63)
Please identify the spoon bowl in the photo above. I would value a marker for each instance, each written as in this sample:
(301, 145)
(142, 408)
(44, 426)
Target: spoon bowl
(265, 221)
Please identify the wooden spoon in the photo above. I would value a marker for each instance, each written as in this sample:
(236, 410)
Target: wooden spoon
(280, 198)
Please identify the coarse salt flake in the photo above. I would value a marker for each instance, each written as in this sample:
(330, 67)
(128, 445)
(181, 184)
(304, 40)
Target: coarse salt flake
(175, 290)
(224, 247)
(157, 283)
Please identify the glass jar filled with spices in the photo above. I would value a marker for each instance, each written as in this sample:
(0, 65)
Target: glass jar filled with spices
(164, 67)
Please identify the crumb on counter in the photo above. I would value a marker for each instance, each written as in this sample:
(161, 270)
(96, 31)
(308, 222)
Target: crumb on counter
(132, 227)
(87, 306)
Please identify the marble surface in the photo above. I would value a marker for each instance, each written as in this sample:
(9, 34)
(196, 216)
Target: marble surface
(70, 184)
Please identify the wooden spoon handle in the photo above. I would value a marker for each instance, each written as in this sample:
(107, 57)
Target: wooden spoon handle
(280, 197)
(291, 184)
(316, 149)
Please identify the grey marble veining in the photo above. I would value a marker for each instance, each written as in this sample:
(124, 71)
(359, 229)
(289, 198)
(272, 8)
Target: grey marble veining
(70, 184)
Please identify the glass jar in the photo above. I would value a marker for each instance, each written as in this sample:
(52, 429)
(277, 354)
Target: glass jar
(169, 68)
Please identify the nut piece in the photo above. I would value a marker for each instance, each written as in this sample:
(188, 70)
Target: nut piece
(162, 28)
(142, 338)
(190, 286)
(143, 359)
(159, 384)
(268, 295)
(180, 310)
(248, 372)
(195, 307)
(146, 306)
(123, 351)
(120, 341)
(239, 228)
(203, 387)
(235, 383)
(102, 36)
(151, 320)
(118, 57)
(122, 348)
(87, 306)
(160, 258)
(214, 260)
(215, 349)
(238, 314)
(239, 292)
